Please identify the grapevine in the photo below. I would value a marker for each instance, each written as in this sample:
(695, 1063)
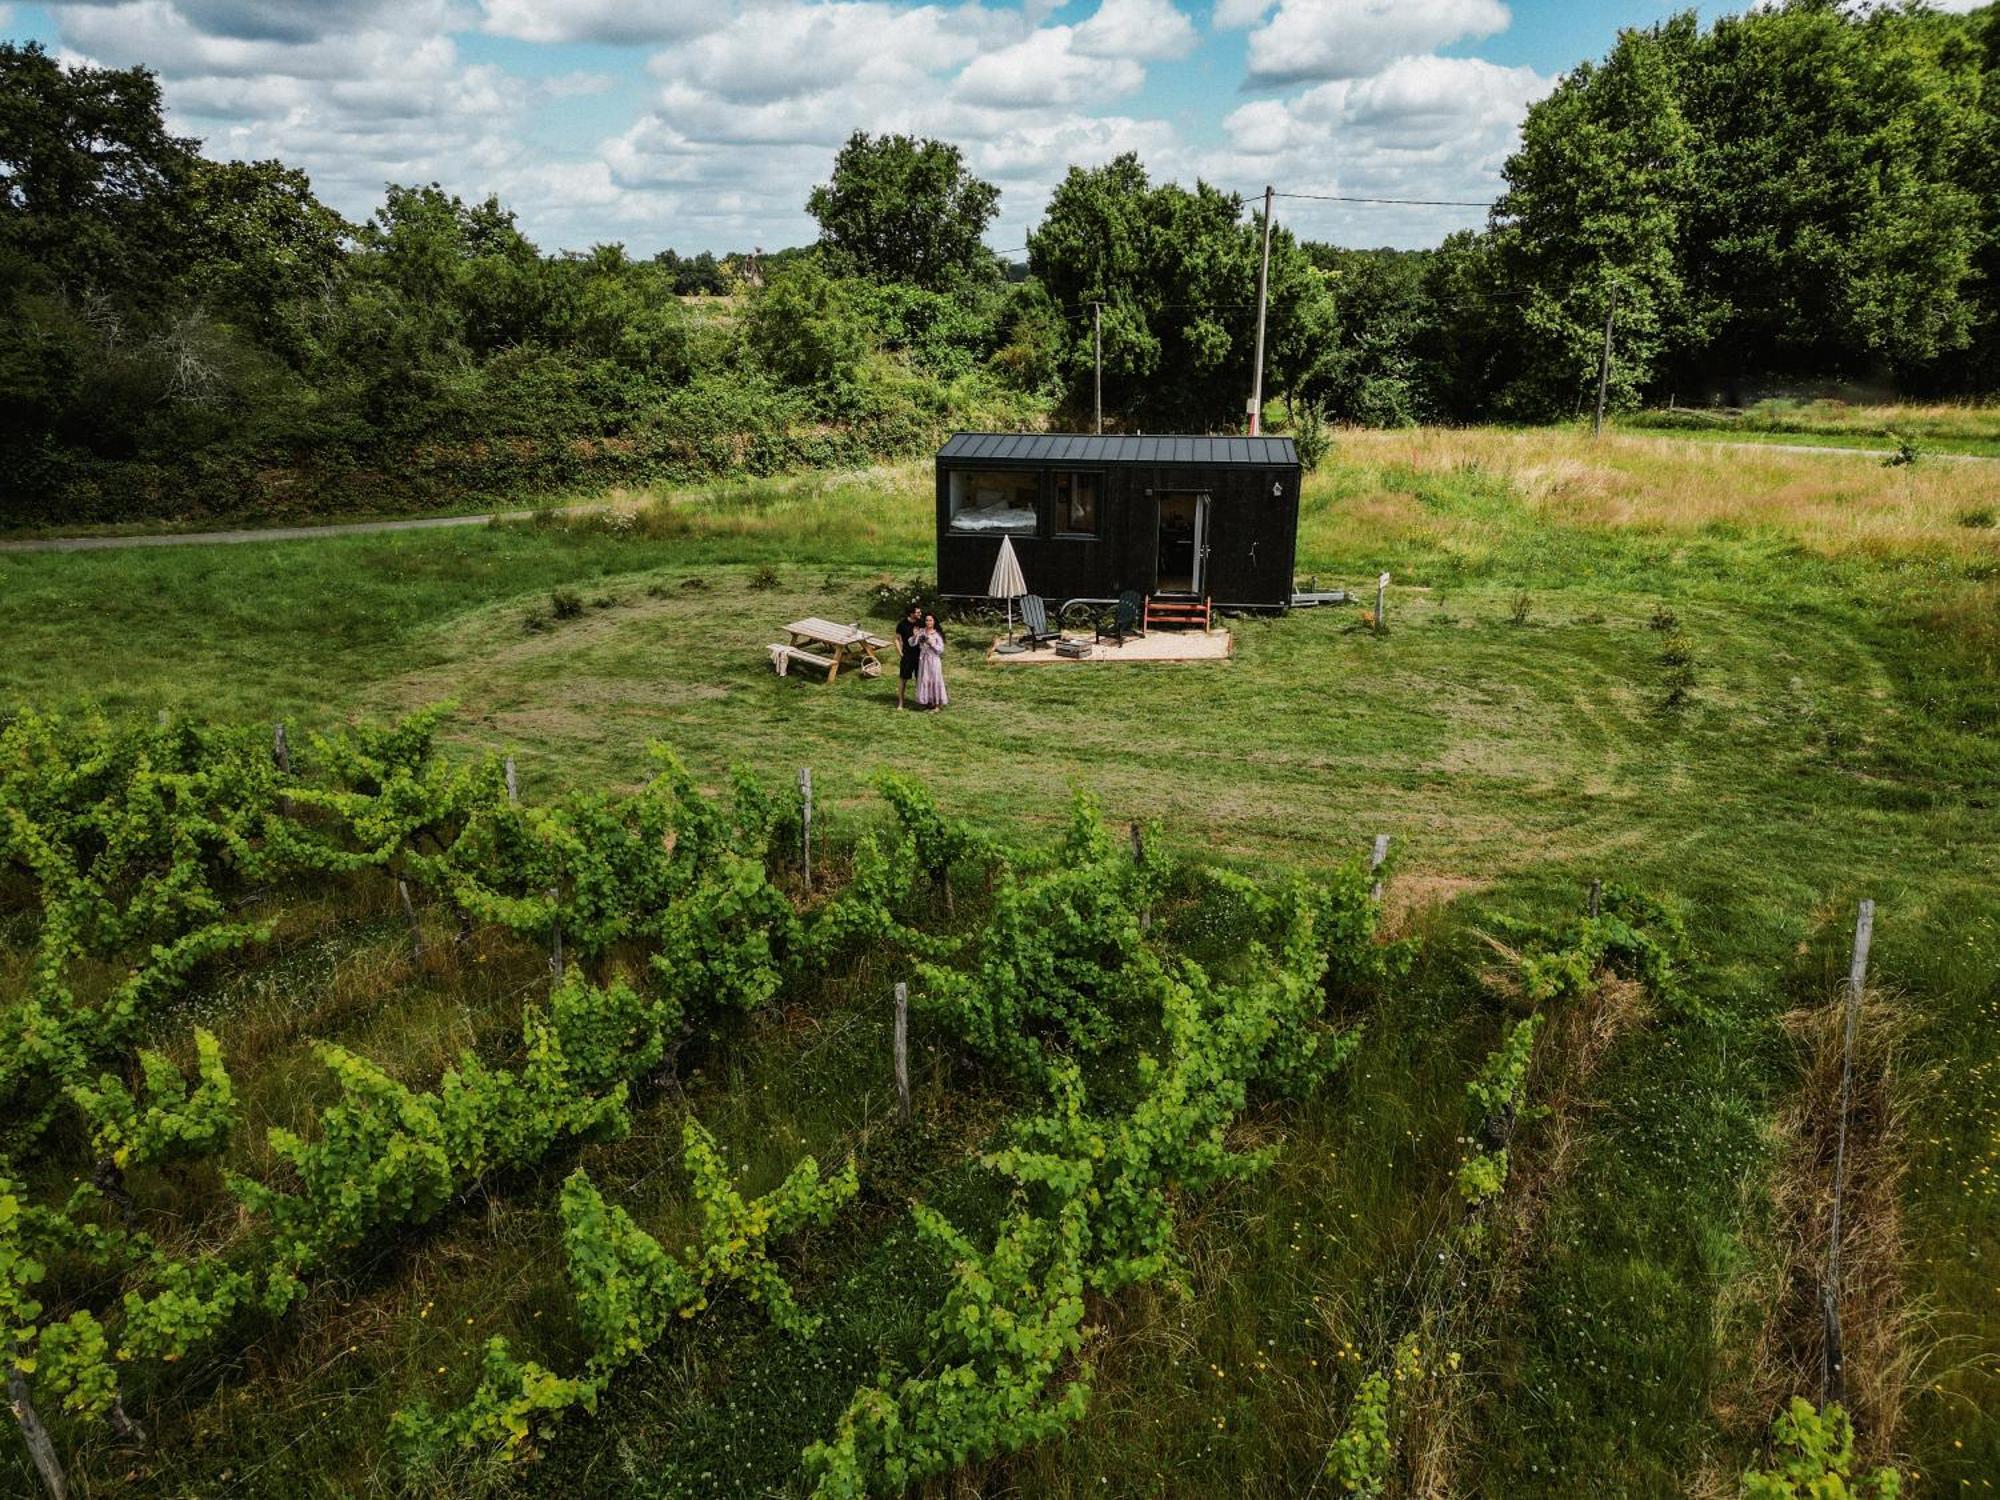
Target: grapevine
(1812, 1458)
(629, 1291)
(1064, 968)
(136, 845)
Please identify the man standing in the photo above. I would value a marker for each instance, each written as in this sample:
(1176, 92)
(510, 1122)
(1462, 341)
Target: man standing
(906, 637)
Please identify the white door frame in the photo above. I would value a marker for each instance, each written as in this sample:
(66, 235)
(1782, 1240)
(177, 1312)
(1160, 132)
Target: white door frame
(1198, 567)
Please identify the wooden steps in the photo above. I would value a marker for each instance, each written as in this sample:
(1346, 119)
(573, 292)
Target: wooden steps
(1177, 614)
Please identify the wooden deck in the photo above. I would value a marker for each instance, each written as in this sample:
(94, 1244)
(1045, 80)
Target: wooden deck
(1178, 645)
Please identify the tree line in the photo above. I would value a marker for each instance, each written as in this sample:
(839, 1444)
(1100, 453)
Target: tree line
(1805, 192)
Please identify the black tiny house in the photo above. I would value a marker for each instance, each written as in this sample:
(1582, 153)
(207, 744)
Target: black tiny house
(1091, 517)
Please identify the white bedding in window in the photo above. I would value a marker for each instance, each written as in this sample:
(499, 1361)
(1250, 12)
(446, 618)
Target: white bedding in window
(994, 518)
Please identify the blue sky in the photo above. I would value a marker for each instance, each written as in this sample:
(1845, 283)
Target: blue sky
(702, 124)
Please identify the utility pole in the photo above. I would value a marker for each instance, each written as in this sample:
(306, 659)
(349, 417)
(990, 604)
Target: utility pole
(1097, 343)
(1263, 283)
(1604, 362)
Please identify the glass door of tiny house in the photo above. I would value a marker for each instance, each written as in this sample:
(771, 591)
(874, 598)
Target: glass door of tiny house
(1183, 544)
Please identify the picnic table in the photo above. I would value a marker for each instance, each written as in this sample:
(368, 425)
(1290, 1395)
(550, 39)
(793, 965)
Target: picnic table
(838, 646)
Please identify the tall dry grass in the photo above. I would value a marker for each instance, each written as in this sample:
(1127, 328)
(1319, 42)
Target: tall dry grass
(884, 512)
(1883, 1334)
(1835, 505)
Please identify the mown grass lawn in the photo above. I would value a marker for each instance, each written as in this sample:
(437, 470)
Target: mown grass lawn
(1511, 731)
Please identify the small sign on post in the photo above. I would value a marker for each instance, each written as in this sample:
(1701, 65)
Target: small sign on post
(903, 1050)
(1375, 861)
(806, 823)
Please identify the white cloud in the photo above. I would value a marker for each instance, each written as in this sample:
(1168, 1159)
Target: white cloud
(748, 117)
(624, 22)
(750, 99)
(164, 37)
(387, 98)
(1044, 69)
(1311, 39)
(1423, 128)
(293, 21)
(786, 51)
(1144, 30)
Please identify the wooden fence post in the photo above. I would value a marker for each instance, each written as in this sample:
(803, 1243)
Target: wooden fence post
(513, 783)
(555, 923)
(1833, 1379)
(1596, 897)
(1382, 605)
(281, 756)
(806, 823)
(1139, 858)
(34, 1434)
(1375, 861)
(903, 1050)
(125, 1424)
(410, 915)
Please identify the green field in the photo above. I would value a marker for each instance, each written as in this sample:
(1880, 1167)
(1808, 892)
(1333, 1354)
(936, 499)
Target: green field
(1758, 686)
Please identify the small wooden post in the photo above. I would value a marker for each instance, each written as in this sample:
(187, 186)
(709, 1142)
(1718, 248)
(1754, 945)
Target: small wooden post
(555, 924)
(281, 756)
(34, 1434)
(1596, 897)
(125, 1424)
(1832, 1376)
(513, 783)
(410, 915)
(806, 823)
(1139, 858)
(903, 1050)
(1375, 861)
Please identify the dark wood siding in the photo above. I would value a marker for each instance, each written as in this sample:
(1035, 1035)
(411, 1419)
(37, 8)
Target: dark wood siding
(1252, 529)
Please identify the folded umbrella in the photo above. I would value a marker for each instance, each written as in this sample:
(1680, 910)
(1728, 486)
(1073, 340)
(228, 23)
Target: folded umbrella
(1007, 582)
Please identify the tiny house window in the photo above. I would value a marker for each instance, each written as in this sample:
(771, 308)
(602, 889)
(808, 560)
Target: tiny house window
(994, 502)
(1076, 504)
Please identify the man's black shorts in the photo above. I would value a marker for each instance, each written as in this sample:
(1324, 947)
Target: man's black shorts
(908, 667)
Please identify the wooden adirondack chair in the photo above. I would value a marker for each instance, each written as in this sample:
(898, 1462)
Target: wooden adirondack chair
(1127, 619)
(1035, 627)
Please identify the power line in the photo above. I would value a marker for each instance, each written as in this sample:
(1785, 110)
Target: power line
(1412, 202)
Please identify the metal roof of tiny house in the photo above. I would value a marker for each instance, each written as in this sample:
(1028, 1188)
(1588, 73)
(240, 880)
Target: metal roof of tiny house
(1085, 448)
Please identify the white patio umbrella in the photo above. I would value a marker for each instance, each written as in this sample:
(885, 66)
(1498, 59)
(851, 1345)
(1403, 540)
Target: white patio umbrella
(1007, 582)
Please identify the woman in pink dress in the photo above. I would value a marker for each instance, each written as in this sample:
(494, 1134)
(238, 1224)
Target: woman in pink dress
(930, 665)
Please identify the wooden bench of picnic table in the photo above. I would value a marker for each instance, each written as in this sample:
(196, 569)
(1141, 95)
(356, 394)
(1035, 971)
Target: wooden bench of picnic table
(845, 645)
(782, 656)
